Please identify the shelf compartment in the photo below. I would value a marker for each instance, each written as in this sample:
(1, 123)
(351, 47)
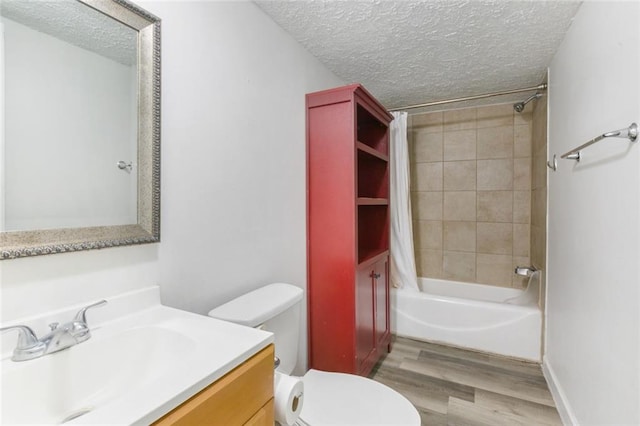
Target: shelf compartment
(372, 257)
(373, 234)
(373, 176)
(371, 131)
(367, 149)
(368, 256)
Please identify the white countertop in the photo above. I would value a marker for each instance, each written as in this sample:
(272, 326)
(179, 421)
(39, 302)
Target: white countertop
(169, 355)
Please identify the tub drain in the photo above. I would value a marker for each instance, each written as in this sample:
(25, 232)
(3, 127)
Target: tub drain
(76, 414)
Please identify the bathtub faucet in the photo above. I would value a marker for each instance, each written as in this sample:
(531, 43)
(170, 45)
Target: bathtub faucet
(525, 271)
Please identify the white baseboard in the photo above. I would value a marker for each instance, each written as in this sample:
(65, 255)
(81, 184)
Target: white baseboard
(559, 397)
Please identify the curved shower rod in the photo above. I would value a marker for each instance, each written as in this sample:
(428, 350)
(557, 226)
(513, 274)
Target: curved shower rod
(542, 86)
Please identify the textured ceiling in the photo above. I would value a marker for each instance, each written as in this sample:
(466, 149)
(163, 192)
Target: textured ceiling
(412, 52)
(77, 24)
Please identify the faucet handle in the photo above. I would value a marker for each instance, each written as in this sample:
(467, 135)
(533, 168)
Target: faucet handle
(81, 315)
(28, 345)
(26, 337)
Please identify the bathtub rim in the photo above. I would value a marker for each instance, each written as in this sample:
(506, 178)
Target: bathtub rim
(453, 299)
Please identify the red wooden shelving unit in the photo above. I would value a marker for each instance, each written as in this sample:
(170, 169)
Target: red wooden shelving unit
(347, 229)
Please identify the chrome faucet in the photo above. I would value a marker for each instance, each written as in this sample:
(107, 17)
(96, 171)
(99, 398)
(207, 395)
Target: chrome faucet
(59, 338)
(525, 271)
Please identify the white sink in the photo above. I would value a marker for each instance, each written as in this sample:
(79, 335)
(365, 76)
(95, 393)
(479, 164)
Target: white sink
(133, 370)
(63, 385)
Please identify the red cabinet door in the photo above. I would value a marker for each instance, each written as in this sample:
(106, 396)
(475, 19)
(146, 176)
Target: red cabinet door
(381, 292)
(365, 319)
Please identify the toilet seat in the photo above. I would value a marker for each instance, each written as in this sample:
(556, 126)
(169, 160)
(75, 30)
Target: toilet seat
(347, 399)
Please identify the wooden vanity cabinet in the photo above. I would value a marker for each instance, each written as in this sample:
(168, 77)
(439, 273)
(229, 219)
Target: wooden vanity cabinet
(347, 229)
(243, 396)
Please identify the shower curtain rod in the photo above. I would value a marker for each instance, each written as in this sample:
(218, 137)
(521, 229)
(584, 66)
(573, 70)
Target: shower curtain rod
(542, 86)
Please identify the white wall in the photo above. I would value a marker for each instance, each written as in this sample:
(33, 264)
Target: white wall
(233, 171)
(593, 299)
(69, 117)
(233, 165)
(35, 285)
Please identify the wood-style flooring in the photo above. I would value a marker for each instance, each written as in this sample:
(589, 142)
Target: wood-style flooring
(451, 386)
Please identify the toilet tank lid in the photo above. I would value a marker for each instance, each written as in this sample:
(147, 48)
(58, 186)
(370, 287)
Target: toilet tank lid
(256, 307)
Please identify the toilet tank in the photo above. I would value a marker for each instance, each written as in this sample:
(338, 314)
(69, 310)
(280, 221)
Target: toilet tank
(275, 308)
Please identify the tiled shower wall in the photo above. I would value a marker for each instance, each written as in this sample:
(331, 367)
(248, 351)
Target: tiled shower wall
(471, 186)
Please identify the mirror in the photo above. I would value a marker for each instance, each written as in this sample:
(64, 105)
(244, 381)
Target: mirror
(80, 154)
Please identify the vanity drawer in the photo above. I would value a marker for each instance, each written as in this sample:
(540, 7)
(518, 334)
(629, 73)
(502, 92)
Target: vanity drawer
(264, 417)
(243, 396)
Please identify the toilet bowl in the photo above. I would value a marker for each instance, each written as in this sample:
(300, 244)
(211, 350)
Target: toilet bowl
(347, 399)
(329, 398)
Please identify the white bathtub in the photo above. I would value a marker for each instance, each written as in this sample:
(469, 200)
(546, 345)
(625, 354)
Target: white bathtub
(471, 316)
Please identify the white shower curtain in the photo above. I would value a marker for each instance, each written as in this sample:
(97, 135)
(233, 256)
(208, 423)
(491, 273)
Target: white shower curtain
(403, 264)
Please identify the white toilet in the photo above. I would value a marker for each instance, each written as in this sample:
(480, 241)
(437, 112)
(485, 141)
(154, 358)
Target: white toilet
(329, 398)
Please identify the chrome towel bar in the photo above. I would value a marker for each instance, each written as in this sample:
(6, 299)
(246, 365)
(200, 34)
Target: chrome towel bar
(630, 133)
